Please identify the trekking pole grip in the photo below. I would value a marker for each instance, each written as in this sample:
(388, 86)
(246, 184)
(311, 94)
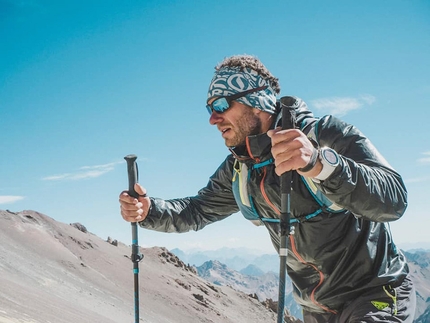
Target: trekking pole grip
(132, 174)
(132, 180)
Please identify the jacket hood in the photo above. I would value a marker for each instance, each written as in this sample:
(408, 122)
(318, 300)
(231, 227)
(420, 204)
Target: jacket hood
(300, 107)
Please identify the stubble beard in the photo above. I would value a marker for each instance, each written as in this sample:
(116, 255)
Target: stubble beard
(248, 125)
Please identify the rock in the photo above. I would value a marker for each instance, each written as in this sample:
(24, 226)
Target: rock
(113, 242)
(79, 226)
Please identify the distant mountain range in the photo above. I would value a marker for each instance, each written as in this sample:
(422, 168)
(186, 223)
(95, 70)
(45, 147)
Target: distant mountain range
(235, 258)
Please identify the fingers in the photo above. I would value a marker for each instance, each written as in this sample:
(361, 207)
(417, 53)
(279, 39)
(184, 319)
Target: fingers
(140, 189)
(133, 209)
(287, 161)
(290, 149)
(271, 132)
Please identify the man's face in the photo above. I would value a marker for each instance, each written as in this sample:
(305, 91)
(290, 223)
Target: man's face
(236, 123)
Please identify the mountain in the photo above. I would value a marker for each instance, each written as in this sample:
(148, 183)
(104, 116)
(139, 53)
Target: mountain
(234, 258)
(419, 257)
(263, 286)
(56, 272)
(252, 270)
(219, 274)
(419, 266)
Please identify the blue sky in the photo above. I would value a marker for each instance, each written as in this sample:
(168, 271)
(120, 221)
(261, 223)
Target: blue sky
(84, 83)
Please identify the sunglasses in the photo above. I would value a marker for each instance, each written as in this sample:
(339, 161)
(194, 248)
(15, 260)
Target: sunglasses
(222, 103)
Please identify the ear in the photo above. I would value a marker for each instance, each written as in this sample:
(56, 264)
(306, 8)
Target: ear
(256, 111)
(261, 113)
(265, 118)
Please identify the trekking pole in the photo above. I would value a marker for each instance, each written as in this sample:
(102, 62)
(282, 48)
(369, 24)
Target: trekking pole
(288, 122)
(135, 253)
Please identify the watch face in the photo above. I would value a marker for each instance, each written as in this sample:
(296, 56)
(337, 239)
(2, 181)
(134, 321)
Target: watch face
(330, 156)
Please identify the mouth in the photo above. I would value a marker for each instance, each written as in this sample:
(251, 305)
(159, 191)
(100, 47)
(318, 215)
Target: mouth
(224, 131)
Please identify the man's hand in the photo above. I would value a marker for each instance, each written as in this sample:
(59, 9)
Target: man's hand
(134, 209)
(292, 150)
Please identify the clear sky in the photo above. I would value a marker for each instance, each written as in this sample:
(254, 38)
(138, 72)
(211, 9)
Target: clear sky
(84, 83)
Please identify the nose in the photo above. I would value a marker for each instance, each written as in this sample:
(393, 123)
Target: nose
(215, 118)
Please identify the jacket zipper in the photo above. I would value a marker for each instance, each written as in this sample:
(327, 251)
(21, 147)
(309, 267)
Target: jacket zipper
(294, 249)
(266, 198)
(262, 189)
(292, 242)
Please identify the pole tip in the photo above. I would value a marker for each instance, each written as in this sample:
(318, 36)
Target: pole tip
(130, 157)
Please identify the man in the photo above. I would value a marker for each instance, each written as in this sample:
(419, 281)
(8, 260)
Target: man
(341, 258)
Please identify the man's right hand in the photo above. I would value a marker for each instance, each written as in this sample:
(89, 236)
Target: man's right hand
(134, 209)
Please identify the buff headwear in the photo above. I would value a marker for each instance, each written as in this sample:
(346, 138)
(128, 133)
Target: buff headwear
(231, 80)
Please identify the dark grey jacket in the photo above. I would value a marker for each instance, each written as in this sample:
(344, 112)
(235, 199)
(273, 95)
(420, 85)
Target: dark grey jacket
(332, 258)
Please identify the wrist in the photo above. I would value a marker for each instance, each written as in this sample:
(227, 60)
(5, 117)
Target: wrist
(312, 162)
(315, 169)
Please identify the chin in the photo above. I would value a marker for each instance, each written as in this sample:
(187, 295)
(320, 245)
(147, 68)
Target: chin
(229, 145)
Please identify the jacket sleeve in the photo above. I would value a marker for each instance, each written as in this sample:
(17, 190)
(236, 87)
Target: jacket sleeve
(363, 183)
(212, 203)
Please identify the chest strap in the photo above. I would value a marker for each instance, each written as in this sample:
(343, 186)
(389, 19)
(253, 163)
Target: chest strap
(244, 200)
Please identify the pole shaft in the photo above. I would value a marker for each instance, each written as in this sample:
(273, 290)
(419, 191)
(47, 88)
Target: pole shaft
(288, 122)
(135, 255)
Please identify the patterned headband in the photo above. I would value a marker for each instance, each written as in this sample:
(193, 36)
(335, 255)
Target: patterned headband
(231, 80)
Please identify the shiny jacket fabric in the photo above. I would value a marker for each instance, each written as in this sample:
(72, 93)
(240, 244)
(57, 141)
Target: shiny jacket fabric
(332, 258)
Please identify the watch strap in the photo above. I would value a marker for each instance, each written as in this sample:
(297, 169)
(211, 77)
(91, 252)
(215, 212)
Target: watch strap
(312, 162)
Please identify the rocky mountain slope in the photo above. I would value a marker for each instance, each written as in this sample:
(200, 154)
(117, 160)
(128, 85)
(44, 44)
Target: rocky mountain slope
(264, 286)
(419, 265)
(55, 272)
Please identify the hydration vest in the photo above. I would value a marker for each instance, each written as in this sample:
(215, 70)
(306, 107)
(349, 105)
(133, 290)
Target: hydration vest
(241, 176)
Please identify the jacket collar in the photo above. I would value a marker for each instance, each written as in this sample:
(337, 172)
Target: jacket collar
(256, 149)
